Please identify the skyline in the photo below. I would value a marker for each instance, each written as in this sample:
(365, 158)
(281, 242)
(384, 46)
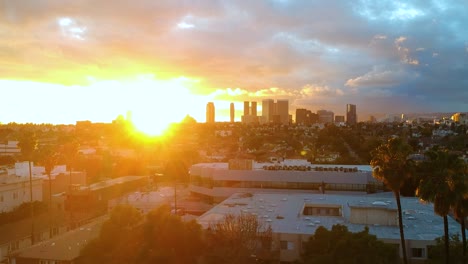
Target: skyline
(64, 62)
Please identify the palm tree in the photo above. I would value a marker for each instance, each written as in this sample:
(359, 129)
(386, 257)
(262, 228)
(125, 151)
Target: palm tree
(28, 144)
(390, 164)
(442, 183)
(70, 151)
(460, 210)
(49, 160)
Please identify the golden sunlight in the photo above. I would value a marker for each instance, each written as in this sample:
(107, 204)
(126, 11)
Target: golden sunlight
(158, 103)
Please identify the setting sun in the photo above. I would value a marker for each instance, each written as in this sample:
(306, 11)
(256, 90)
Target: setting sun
(159, 103)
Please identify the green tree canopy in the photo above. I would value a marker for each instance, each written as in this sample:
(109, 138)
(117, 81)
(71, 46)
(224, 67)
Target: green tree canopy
(339, 245)
(161, 237)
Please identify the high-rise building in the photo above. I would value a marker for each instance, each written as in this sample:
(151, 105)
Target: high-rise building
(303, 116)
(325, 116)
(275, 112)
(282, 110)
(339, 119)
(210, 112)
(232, 112)
(246, 108)
(253, 109)
(268, 110)
(250, 113)
(351, 116)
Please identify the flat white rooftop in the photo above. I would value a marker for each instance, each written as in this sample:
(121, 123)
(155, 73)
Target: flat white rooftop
(283, 211)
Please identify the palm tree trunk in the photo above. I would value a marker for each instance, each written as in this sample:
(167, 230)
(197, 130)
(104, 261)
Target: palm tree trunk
(462, 225)
(50, 207)
(31, 206)
(446, 240)
(400, 224)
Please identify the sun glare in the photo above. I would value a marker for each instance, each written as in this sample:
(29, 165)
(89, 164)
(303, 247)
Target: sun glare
(158, 103)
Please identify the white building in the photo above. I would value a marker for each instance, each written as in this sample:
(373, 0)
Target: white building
(294, 217)
(216, 181)
(10, 148)
(14, 190)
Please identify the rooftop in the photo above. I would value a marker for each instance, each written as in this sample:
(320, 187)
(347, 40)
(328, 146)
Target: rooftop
(65, 247)
(283, 211)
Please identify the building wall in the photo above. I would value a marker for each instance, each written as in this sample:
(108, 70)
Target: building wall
(373, 216)
(210, 112)
(10, 148)
(268, 110)
(15, 190)
(351, 116)
(282, 110)
(61, 183)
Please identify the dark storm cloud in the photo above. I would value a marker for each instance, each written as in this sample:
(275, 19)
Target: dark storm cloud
(355, 51)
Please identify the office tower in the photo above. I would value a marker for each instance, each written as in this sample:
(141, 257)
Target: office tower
(275, 112)
(403, 118)
(250, 113)
(325, 116)
(210, 112)
(339, 119)
(282, 111)
(253, 110)
(246, 108)
(351, 117)
(232, 113)
(268, 110)
(302, 116)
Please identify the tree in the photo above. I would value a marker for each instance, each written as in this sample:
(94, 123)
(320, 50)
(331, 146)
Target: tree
(168, 239)
(48, 158)
(436, 254)
(117, 242)
(28, 145)
(460, 210)
(161, 237)
(390, 164)
(237, 238)
(442, 183)
(342, 246)
(69, 152)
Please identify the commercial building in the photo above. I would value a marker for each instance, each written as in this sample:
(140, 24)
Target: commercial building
(351, 116)
(305, 117)
(250, 113)
(15, 187)
(275, 112)
(339, 119)
(461, 118)
(294, 217)
(231, 112)
(325, 116)
(63, 249)
(210, 112)
(9, 148)
(215, 182)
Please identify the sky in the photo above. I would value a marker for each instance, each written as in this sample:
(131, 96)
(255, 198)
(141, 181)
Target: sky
(63, 61)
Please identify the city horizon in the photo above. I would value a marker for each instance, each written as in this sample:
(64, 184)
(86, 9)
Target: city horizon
(60, 66)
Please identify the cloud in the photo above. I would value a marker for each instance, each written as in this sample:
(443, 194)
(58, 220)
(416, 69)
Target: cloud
(300, 50)
(379, 76)
(404, 52)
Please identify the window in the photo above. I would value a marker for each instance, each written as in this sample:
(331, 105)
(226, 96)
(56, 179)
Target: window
(286, 245)
(13, 246)
(418, 252)
(322, 211)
